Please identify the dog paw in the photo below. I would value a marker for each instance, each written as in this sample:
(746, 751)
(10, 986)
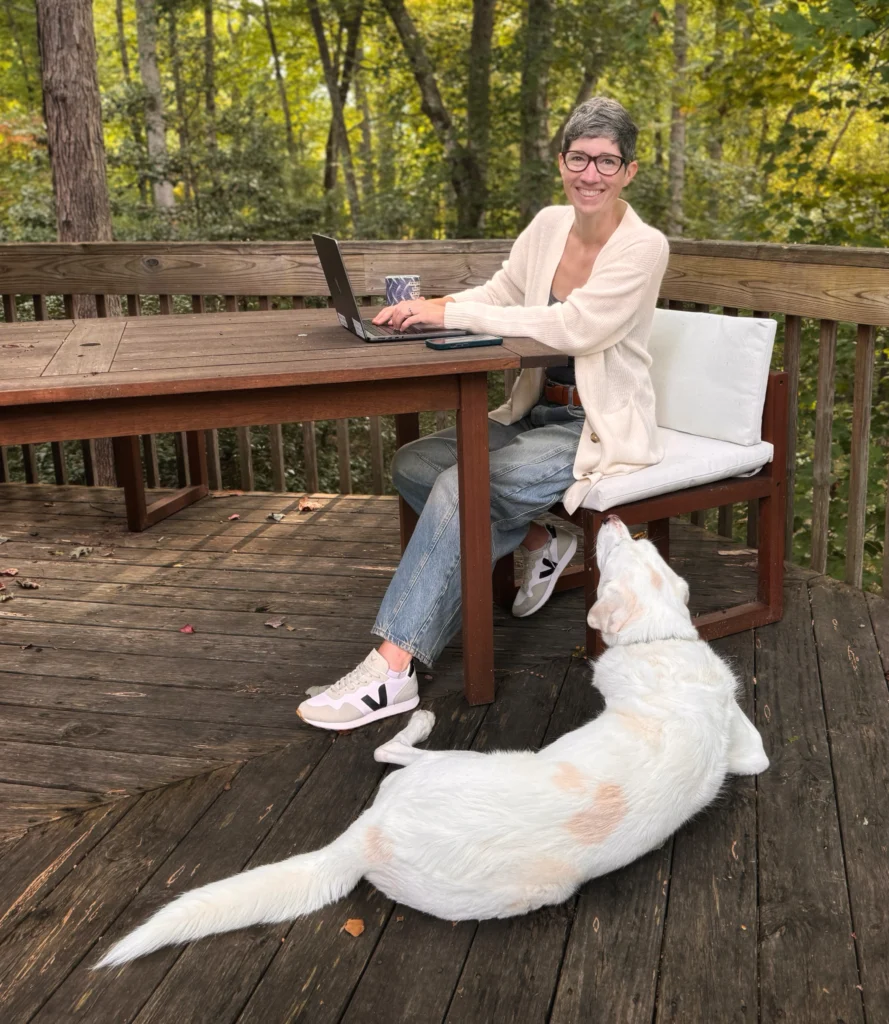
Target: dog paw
(420, 726)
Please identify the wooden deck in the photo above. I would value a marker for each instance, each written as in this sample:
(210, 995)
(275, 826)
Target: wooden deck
(138, 761)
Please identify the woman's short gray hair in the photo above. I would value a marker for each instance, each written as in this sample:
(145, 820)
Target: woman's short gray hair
(603, 118)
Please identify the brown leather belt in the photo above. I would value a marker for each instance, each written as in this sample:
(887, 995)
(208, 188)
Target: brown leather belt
(563, 394)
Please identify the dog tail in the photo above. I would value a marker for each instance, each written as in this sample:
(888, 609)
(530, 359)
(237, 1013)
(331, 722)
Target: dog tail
(264, 895)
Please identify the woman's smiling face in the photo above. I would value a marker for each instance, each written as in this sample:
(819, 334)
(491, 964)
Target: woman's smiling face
(590, 191)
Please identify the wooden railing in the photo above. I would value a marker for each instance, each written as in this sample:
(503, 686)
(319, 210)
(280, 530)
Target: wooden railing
(803, 286)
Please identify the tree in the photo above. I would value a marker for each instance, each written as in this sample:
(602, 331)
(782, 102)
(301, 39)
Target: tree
(155, 125)
(338, 137)
(676, 212)
(279, 78)
(466, 172)
(73, 114)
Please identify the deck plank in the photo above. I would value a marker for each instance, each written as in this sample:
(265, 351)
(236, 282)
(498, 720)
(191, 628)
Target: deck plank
(807, 958)
(42, 858)
(220, 844)
(51, 941)
(857, 712)
(712, 904)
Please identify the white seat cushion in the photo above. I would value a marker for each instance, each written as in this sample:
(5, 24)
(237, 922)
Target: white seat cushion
(688, 461)
(710, 373)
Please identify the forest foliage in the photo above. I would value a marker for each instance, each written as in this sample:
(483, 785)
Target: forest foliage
(760, 120)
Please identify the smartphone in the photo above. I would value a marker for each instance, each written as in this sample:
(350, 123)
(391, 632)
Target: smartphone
(465, 341)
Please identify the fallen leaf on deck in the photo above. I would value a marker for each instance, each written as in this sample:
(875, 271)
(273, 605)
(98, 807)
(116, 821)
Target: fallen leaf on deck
(3, 540)
(177, 565)
(290, 629)
(187, 629)
(302, 335)
(6, 597)
(28, 584)
(274, 623)
(226, 494)
(354, 926)
(277, 516)
(55, 551)
(9, 572)
(579, 652)
(307, 505)
(235, 516)
(80, 552)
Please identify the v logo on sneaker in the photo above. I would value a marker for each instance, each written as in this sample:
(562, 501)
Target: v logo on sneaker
(549, 570)
(381, 701)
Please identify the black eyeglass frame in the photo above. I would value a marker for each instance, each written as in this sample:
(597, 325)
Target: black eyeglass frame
(593, 160)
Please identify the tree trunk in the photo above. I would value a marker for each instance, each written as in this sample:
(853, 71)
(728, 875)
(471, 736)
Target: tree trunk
(478, 111)
(73, 114)
(337, 100)
(182, 126)
(536, 170)
(279, 78)
(715, 142)
(136, 128)
(13, 31)
(367, 152)
(210, 75)
(461, 162)
(155, 126)
(676, 212)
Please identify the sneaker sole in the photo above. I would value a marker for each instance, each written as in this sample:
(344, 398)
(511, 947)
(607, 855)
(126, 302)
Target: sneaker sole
(547, 594)
(372, 716)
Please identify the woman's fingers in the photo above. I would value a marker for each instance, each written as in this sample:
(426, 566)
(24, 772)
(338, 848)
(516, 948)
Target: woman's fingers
(384, 315)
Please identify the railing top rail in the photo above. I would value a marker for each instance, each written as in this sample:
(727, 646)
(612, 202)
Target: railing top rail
(833, 255)
(850, 284)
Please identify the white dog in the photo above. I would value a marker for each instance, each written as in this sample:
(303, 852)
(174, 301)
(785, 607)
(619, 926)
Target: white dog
(465, 835)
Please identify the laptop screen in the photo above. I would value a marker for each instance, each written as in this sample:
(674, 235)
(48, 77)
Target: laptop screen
(334, 268)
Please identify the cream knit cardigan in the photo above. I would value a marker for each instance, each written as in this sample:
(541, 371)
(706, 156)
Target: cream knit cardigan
(605, 325)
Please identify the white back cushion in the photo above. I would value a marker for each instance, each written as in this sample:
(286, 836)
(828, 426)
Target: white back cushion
(710, 373)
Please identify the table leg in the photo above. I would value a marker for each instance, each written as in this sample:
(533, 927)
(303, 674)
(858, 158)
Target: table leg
(140, 515)
(407, 429)
(475, 539)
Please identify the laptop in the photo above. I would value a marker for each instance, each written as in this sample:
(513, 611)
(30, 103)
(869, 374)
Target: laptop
(347, 308)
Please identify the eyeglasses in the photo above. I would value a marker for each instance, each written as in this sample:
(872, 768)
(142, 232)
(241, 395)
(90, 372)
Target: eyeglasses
(606, 163)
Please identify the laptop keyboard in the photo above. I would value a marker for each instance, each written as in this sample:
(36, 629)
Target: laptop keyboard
(375, 331)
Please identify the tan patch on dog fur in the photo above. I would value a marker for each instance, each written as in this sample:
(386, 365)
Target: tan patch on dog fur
(377, 847)
(546, 871)
(596, 823)
(649, 729)
(657, 581)
(569, 778)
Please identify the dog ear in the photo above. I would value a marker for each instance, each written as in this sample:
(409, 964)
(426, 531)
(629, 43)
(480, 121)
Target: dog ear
(615, 610)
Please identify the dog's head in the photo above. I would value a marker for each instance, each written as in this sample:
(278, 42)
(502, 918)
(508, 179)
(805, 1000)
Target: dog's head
(640, 598)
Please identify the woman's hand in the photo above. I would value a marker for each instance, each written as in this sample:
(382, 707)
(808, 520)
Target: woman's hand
(405, 314)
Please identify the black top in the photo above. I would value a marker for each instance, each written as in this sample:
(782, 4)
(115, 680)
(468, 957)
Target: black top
(560, 374)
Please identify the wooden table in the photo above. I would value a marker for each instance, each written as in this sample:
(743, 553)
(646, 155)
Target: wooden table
(65, 380)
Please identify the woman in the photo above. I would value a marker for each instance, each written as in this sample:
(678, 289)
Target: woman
(582, 279)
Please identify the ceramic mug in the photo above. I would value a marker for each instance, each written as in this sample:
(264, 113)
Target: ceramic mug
(402, 286)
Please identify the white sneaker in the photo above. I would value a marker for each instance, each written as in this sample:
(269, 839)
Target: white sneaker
(366, 694)
(542, 568)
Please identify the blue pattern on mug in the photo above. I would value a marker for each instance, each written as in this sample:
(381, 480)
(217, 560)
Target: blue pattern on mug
(400, 287)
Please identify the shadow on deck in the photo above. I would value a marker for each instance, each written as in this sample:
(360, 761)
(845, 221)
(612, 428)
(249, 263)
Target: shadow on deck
(138, 761)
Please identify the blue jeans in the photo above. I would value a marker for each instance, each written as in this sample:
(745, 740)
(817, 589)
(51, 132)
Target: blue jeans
(531, 468)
